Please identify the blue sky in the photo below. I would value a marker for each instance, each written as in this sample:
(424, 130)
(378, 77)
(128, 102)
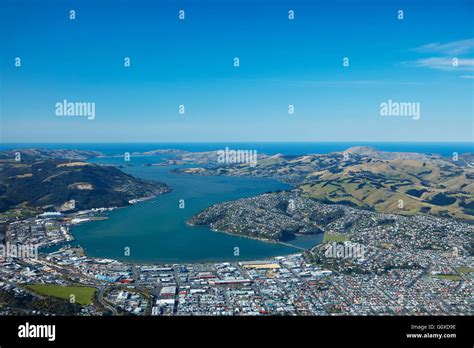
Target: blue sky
(282, 62)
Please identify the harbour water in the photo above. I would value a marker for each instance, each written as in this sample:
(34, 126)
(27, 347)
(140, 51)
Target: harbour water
(156, 230)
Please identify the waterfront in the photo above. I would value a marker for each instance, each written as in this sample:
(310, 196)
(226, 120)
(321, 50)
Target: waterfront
(156, 230)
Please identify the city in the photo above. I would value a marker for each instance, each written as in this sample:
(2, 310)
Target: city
(427, 276)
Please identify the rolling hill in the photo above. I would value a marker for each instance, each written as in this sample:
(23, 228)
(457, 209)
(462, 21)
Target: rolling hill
(49, 183)
(390, 182)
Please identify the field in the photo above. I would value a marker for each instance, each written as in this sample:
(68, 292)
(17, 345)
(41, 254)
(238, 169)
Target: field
(465, 270)
(447, 276)
(328, 238)
(83, 294)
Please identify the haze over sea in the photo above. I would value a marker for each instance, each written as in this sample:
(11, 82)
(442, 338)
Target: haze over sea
(156, 230)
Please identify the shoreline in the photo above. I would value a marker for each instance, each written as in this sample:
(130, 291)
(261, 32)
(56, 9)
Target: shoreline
(170, 189)
(265, 240)
(269, 241)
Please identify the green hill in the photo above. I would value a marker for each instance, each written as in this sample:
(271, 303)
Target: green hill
(49, 183)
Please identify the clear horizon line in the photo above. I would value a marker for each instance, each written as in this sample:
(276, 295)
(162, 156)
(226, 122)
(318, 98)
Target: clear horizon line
(249, 141)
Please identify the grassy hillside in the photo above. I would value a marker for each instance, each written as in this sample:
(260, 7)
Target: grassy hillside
(398, 186)
(391, 182)
(50, 183)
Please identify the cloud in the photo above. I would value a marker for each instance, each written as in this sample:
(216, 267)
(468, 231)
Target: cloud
(446, 64)
(441, 56)
(467, 76)
(449, 48)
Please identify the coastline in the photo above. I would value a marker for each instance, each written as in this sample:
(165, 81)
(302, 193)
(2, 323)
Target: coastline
(265, 240)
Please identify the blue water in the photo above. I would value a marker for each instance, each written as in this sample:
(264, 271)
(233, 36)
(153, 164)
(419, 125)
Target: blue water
(156, 230)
